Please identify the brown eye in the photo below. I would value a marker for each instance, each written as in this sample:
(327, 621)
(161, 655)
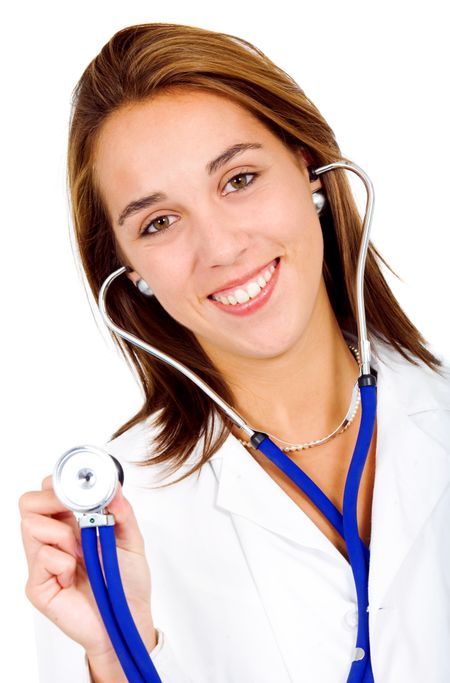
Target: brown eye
(161, 222)
(241, 181)
(158, 224)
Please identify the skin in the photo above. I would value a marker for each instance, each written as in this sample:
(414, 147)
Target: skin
(219, 232)
(290, 349)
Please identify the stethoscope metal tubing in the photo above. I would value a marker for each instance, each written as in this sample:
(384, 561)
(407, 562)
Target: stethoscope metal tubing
(364, 344)
(153, 351)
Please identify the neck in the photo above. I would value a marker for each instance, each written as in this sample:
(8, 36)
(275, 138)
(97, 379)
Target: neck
(300, 395)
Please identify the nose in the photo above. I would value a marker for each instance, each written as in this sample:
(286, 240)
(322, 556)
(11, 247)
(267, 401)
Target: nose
(221, 238)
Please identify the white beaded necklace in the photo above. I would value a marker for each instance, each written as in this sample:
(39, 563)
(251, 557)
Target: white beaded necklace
(345, 424)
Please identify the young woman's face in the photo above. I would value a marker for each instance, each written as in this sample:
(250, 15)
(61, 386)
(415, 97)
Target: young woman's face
(215, 213)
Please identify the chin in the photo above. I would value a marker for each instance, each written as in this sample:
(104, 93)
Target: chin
(281, 331)
(270, 346)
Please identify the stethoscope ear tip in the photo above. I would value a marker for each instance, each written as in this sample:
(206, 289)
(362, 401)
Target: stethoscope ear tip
(312, 174)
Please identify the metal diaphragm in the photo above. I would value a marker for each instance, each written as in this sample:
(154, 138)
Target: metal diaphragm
(85, 478)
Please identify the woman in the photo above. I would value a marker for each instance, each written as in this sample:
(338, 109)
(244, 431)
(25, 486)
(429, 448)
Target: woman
(190, 162)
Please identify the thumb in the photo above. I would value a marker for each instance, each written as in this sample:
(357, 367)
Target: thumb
(127, 532)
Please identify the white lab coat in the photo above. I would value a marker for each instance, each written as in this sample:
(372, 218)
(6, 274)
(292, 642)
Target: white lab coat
(246, 589)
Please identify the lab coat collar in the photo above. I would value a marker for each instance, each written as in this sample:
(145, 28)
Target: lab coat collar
(412, 472)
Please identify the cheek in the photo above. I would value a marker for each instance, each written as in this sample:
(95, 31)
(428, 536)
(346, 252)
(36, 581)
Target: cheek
(299, 228)
(301, 232)
(309, 257)
(309, 244)
(170, 278)
(289, 212)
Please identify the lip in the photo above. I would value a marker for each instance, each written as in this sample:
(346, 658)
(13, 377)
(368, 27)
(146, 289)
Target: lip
(234, 284)
(253, 304)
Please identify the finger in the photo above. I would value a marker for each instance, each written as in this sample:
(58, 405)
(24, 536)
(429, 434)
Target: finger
(65, 514)
(43, 502)
(47, 482)
(53, 570)
(38, 530)
(46, 503)
(127, 532)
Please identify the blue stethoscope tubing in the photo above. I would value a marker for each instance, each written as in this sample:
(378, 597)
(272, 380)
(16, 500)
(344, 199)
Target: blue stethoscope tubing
(359, 557)
(346, 523)
(112, 604)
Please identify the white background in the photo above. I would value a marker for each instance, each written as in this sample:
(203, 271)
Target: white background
(378, 71)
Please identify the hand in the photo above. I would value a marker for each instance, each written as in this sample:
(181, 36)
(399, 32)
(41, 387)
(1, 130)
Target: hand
(58, 585)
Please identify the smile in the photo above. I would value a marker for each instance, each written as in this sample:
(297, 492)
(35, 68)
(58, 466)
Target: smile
(249, 295)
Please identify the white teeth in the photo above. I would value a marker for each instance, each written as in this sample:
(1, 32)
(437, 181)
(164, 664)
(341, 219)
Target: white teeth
(241, 296)
(244, 294)
(253, 289)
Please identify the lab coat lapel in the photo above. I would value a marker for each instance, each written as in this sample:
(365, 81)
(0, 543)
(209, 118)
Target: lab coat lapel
(245, 489)
(412, 473)
(412, 466)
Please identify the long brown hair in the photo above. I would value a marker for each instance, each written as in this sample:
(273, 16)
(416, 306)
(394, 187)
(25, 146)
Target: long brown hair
(136, 64)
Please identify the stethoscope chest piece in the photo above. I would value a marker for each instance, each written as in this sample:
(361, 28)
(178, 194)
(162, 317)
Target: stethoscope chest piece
(86, 478)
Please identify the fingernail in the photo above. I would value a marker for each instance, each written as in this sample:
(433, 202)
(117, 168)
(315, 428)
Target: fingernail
(79, 550)
(63, 581)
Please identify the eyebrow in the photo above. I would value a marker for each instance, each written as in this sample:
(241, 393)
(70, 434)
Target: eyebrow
(211, 167)
(230, 153)
(138, 204)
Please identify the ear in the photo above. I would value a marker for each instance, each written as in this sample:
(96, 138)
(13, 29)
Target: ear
(305, 159)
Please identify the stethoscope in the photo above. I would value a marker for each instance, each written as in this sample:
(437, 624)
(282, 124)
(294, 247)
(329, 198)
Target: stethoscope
(86, 480)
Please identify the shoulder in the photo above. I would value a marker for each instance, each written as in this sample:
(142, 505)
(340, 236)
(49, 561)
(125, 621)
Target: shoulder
(415, 385)
(411, 395)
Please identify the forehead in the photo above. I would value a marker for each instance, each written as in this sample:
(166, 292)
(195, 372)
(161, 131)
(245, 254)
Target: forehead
(164, 145)
(174, 124)
(178, 108)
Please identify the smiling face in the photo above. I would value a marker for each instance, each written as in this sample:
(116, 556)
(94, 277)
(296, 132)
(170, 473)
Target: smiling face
(215, 213)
